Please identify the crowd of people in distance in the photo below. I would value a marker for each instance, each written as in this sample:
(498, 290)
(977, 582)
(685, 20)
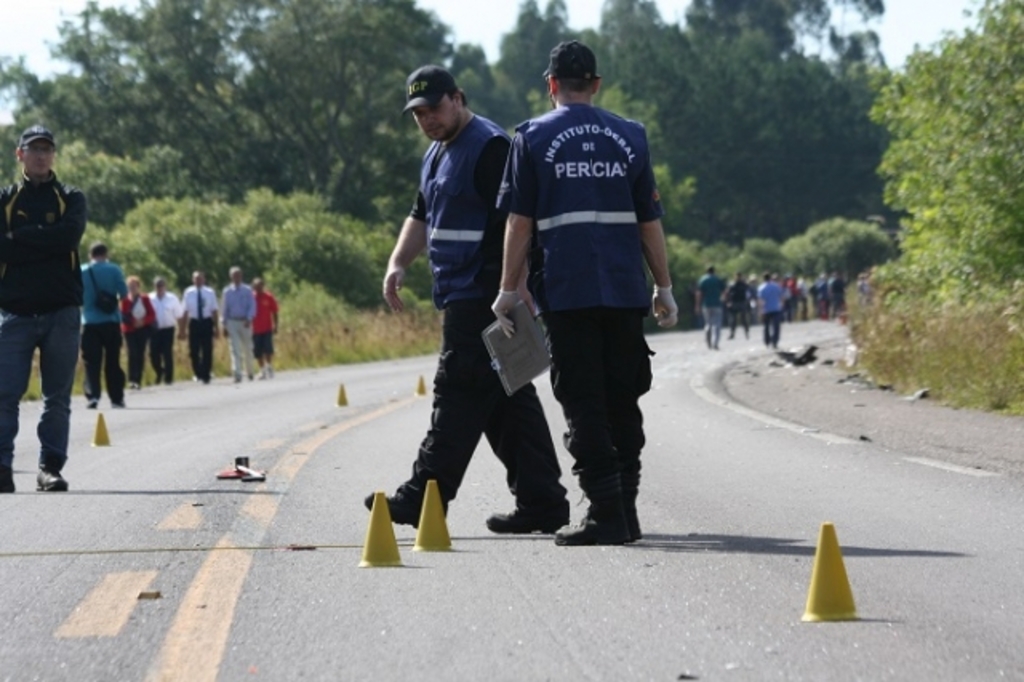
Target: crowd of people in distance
(773, 301)
(117, 311)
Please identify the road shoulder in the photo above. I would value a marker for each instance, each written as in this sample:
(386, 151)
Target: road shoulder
(827, 396)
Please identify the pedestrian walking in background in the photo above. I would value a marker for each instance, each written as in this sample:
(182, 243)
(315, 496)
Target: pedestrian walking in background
(709, 294)
(238, 308)
(837, 294)
(770, 296)
(169, 312)
(737, 297)
(454, 220)
(200, 320)
(137, 318)
(42, 222)
(104, 285)
(579, 183)
(264, 327)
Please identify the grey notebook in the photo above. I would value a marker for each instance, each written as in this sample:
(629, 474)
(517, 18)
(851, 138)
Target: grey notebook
(523, 357)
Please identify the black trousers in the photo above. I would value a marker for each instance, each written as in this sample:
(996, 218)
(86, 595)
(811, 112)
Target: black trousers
(136, 341)
(772, 325)
(469, 402)
(101, 349)
(200, 348)
(161, 353)
(600, 366)
(739, 314)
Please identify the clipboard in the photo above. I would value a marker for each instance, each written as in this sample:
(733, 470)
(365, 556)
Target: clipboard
(522, 358)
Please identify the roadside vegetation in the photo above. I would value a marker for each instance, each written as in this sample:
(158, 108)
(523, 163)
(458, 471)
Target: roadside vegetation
(949, 313)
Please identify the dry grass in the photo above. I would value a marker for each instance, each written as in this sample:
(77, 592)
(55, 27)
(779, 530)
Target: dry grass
(966, 355)
(315, 331)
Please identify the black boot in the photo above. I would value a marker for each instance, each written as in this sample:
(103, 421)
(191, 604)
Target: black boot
(605, 521)
(6, 479)
(630, 489)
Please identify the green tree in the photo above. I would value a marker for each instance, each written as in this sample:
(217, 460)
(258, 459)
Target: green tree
(957, 157)
(524, 55)
(849, 246)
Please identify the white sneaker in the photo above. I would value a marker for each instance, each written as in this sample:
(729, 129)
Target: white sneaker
(270, 372)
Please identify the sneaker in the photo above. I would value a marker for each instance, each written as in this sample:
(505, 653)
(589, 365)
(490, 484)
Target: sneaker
(50, 481)
(238, 378)
(402, 508)
(134, 386)
(250, 377)
(270, 372)
(519, 523)
(6, 479)
(118, 404)
(92, 404)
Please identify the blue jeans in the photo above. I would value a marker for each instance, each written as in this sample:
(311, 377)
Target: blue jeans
(712, 324)
(772, 323)
(56, 335)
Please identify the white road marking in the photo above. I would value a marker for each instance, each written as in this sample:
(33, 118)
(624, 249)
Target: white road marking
(966, 471)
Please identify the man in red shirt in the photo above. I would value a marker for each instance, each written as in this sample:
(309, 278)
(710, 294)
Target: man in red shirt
(264, 326)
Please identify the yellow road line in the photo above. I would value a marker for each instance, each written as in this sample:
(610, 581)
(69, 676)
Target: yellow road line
(194, 647)
(106, 609)
(261, 508)
(185, 517)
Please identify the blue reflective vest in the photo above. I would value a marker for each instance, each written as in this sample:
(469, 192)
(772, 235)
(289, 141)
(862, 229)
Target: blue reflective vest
(584, 175)
(456, 213)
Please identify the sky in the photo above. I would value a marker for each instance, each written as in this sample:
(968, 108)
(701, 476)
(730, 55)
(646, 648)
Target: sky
(31, 30)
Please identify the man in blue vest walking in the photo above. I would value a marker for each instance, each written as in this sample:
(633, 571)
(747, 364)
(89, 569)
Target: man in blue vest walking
(455, 220)
(580, 179)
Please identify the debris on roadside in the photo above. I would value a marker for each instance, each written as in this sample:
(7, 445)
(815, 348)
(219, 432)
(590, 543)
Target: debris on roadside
(802, 355)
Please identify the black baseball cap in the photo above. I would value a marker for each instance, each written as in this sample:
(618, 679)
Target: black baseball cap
(572, 59)
(36, 132)
(427, 85)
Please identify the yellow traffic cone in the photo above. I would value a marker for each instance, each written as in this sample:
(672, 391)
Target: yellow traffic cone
(829, 597)
(432, 533)
(380, 548)
(421, 387)
(342, 398)
(100, 437)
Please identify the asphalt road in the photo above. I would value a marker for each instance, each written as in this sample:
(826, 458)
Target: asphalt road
(731, 505)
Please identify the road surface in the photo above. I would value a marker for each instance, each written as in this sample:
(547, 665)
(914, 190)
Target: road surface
(731, 505)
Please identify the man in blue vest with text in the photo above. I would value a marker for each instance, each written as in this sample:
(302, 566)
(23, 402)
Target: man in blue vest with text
(580, 180)
(41, 225)
(455, 220)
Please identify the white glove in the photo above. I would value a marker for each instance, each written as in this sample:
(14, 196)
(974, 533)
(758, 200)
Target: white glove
(664, 307)
(502, 306)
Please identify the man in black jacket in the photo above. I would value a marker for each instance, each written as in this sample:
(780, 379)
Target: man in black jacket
(41, 227)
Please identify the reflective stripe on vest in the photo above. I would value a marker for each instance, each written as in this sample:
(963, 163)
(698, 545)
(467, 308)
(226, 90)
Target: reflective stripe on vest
(599, 217)
(457, 235)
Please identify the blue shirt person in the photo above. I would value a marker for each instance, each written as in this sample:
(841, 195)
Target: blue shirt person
(769, 296)
(104, 284)
(238, 308)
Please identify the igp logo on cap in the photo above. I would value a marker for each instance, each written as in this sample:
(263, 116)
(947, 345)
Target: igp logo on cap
(36, 132)
(572, 59)
(427, 85)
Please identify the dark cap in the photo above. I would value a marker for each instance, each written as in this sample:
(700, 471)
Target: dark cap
(572, 59)
(427, 85)
(36, 132)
